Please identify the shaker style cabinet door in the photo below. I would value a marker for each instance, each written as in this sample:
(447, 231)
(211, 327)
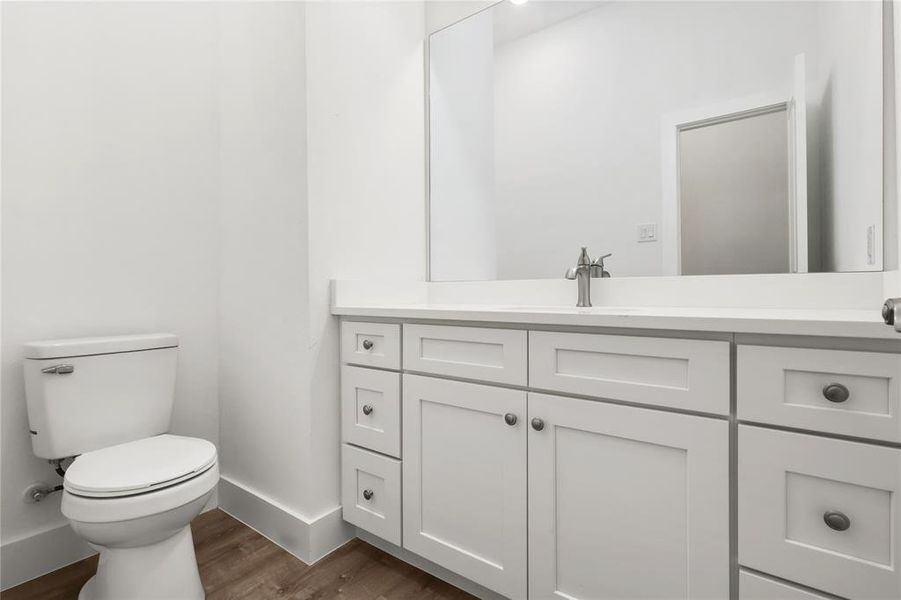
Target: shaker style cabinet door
(464, 480)
(626, 502)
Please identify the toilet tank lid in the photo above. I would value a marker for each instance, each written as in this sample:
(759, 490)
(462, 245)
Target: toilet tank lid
(99, 345)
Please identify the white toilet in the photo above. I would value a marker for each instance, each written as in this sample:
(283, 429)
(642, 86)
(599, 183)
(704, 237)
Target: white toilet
(133, 489)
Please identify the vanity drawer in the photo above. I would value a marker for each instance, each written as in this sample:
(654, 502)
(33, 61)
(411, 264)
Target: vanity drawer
(370, 492)
(370, 344)
(497, 355)
(752, 586)
(790, 484)
(687, 374)
(850, 393)
(370, 409)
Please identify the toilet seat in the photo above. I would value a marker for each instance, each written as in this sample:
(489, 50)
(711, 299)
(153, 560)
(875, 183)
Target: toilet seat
(139, 479)
(87, 509)
(139, 467)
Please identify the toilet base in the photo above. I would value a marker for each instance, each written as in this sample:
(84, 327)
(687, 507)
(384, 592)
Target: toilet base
(164, 570)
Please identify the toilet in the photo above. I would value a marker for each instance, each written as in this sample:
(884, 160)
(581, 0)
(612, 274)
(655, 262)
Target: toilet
(133, 488)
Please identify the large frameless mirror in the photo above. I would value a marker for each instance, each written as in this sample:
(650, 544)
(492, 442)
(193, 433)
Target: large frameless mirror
(682, 138)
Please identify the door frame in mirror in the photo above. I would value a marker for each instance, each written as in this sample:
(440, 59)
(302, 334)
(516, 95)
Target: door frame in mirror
(750, 106)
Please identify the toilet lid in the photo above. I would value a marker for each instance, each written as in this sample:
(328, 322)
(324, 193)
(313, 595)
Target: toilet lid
(139, 466)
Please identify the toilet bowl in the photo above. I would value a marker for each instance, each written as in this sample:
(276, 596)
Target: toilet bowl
(133, 503)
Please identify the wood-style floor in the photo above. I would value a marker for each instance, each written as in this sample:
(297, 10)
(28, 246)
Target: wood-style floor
(237, 562)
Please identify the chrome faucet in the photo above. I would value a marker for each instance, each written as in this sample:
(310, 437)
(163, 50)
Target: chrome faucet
(584, 271)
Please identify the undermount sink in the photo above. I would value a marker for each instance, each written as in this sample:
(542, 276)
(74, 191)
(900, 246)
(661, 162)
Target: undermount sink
(588, 310)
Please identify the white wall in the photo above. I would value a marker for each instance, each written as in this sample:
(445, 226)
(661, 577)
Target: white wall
(893, 279)
(462, 231)
(366, 188)
(109, 219)
(850, 112)
(578, 122)
(891, 214)
(264, 331)
(155, 177)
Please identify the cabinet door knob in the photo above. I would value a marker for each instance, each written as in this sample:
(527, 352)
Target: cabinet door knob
(837, 520)
(836, 392)
(367, 409)
(510, 419)
(537, 424)
(367, 344)
(368, 494)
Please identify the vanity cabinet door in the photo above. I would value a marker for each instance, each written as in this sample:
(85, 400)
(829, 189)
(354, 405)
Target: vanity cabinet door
(464, 480)
(626, 502)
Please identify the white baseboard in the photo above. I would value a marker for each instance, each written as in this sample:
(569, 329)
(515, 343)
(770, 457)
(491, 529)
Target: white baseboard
(309, 539)
(41, 553)
(429, 567)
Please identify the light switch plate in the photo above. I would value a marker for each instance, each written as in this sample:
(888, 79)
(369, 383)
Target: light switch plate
(871, 245)
(647, 232)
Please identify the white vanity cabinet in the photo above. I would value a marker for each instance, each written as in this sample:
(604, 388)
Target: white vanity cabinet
(626, 502)
(580, 465)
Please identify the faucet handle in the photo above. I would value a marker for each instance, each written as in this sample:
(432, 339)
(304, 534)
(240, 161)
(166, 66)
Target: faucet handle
(597, 267)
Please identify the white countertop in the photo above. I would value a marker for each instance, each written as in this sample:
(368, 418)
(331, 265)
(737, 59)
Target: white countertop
(827, 322)
(844, 305)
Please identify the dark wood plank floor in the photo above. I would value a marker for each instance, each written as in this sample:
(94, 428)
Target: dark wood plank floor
(237, 562)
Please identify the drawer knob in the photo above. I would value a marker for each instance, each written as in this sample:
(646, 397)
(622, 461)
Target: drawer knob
(837, 520)
(510, 419)
(836, 392)
(537, 424)
(367, 344)
(368, 494)
(367, 409)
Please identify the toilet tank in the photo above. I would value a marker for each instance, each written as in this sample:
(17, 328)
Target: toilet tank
(89, 393)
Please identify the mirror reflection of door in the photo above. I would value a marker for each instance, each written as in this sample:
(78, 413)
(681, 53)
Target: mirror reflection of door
(734, 195)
